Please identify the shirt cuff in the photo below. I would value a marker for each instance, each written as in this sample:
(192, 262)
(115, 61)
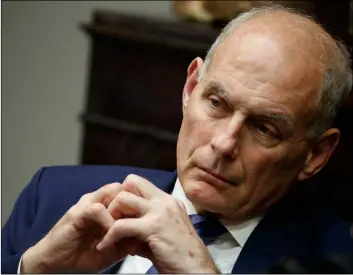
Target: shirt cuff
(19, 266)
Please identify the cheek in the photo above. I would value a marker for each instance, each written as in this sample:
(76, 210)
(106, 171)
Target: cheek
(194, 133)
(285, 161)
(267, 167)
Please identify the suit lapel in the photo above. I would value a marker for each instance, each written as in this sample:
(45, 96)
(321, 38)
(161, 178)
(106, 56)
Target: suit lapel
(283, 232)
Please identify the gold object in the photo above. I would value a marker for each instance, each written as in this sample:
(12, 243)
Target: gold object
(209, 11)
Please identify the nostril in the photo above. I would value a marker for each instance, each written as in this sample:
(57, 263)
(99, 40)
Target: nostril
(228, 156)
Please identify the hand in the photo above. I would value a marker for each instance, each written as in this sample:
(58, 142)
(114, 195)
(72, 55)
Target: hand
(156, 219)
(71, 245)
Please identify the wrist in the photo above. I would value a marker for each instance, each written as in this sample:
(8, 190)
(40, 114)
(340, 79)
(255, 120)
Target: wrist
(210, 270)
(204, 266)
(207, 268)
(38, 259)
(31, 262)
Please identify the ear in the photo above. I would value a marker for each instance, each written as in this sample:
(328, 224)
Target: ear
(192, 79)
(320, 153)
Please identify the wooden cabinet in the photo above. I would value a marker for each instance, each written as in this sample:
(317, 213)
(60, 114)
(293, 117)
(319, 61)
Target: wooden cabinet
(138, 69)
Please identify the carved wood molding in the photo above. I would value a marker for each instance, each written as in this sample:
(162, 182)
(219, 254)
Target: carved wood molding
(130, 127)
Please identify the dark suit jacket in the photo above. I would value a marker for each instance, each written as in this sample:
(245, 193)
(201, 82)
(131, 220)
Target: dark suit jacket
(291, 229)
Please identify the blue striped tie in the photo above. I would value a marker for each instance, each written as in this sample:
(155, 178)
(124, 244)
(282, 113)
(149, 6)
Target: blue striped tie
(207, 227)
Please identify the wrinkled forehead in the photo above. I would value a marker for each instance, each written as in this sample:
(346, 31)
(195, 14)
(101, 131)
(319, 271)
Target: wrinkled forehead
(292, 59)
(274, 65)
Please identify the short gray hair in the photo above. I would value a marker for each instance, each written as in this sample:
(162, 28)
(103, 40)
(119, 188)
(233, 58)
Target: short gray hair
(337, 80)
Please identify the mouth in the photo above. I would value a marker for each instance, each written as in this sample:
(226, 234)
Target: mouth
(211, 176)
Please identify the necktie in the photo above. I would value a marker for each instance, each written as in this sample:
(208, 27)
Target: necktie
(207, 227)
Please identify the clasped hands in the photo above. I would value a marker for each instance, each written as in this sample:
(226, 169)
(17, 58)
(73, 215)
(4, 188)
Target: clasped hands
(105, 226)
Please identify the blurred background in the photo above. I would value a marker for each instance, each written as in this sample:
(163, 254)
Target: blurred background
(100, 82)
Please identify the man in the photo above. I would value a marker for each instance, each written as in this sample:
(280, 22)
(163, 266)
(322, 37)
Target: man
(256, 122)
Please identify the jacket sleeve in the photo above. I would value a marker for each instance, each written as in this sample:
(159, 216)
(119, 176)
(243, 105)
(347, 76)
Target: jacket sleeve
(14, 232)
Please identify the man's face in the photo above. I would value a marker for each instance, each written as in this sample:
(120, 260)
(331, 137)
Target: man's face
(243, 137)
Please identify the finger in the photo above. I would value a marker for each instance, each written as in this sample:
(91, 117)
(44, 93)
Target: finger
(127, 204)
(123, 228)
(141, 187)
(96, 213)
(130, 204)
(114, 209)
(106, 193)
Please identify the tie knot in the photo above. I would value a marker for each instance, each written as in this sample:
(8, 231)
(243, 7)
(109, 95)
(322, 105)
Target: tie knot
(197, 219)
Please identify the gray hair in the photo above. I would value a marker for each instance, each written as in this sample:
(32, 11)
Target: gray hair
(337, 80)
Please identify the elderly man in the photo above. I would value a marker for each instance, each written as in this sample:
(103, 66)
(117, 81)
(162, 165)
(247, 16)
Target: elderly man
(256, 120)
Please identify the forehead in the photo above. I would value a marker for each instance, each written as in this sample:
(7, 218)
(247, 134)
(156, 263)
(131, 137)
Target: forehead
(263, 67)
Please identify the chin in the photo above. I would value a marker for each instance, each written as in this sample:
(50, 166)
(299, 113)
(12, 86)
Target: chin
(203, 196)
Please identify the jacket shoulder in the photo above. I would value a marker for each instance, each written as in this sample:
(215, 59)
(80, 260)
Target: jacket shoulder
(81, 179)
(100, 173)
(333, 231)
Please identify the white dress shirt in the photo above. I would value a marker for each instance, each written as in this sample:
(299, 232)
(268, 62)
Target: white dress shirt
(224, 250)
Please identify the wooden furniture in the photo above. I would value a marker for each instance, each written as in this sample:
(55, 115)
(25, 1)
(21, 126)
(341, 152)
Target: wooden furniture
(133, 102)
(138, 69)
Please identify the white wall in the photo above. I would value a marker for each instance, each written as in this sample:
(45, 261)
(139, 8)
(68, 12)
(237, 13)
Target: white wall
(44, 70)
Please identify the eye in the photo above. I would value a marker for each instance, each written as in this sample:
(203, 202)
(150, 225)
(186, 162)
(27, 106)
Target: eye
(263, 129)
(266, 131)
(216, 103)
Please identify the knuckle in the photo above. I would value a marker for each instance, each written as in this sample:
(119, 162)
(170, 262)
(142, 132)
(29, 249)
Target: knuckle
(132, 181)
(181, 205)
(72, 213)
(110, 188)
(122, 195)
(117, 226)
(131, 178)
(153, 242)
(96, 208)
(85, 198)
(155, 223)
(171, 205)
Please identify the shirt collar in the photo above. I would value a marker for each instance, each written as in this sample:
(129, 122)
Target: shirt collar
(240, 232)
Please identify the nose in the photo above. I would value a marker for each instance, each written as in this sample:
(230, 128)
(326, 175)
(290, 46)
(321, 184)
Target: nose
(225, 142)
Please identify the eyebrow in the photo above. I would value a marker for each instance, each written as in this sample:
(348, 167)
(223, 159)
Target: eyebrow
(276, 116)
(219, 90)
